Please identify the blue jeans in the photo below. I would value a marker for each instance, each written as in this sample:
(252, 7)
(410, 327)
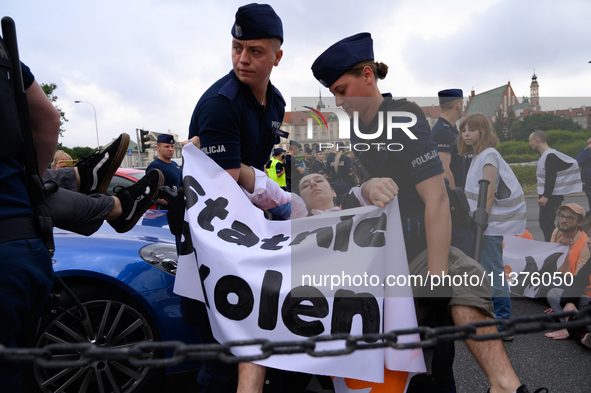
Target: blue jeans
(491, 260)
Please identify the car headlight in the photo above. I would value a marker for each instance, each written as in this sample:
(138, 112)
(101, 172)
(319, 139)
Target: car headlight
(162, 256)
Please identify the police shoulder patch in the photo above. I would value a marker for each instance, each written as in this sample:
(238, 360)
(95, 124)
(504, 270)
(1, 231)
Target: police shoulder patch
(230, 89)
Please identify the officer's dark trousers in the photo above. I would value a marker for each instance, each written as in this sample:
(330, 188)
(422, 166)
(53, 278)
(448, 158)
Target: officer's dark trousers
(547, 216)
(25, 284)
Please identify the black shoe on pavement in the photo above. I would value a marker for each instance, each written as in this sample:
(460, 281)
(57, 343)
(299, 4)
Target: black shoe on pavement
(97, 170)
(136, 199)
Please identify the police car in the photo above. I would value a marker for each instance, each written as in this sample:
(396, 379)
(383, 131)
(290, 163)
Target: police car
(125, 283)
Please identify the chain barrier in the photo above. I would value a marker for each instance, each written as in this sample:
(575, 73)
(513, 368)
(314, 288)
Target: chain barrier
(141, 355)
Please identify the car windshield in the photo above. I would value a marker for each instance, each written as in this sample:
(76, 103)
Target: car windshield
(138, 175)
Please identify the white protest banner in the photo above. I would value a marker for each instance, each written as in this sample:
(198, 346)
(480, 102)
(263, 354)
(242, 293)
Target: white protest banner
(530, 264)
(291, 280)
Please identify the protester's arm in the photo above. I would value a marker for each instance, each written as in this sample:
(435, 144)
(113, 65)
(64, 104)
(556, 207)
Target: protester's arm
(45, 125)
(437, 222)
(489, 172)
(550, 175)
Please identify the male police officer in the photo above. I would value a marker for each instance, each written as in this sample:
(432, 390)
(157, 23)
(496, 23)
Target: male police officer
(27, 274)
(277, 168)
(455, 169)
(170, 169)
(294, 170)
(237, 120)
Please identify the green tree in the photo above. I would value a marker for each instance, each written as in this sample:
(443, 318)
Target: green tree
(542, 121)
(48, 89)
(502, 125)
(82, 152)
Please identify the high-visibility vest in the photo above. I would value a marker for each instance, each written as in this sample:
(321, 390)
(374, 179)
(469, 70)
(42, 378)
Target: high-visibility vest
(507, 216)
(567, 181)
(272, 172)
(575, 250)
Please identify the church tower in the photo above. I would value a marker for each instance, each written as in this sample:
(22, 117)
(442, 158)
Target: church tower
(534, 91)
(320, 106)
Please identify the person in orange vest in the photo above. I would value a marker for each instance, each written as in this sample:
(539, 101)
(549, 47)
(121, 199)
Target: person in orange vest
(573, 298)
(569, 233)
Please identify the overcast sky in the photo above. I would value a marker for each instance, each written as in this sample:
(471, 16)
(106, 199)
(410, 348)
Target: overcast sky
(144, 64)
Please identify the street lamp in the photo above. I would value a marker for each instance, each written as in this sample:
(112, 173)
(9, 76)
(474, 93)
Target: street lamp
(98, 146)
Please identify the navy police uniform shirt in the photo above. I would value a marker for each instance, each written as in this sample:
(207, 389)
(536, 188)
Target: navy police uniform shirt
(234, 127)
(445, 136)
(171, 171)
(417, 161)
(14, 198)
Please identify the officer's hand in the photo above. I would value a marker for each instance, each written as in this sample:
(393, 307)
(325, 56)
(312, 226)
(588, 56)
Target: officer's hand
(380, 190)
(283, 211)
(301, 170)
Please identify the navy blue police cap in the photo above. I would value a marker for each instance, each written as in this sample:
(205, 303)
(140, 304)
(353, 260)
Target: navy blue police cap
(449, 95)
(295, 143)
(308, 150)
(255, 21)
(165, 138)
(341, 57)
(277, 151)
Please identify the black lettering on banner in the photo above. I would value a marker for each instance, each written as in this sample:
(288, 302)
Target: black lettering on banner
(203, 273)
(341, 242)
(366, 233)
(323, 237)
(269, 307)
(524, 280)
(192, 188)
(210, 211)
(186, 246)
(233, 284)
(240, 234)
(273, 243)
(292, 308)
(347, 304)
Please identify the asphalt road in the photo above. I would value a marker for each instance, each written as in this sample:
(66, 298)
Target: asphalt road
(561, 366)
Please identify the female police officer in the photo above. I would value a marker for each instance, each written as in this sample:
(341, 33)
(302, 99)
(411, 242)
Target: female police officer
(348, 69)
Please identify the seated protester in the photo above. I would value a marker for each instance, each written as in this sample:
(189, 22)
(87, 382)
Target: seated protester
(79, 204)
(276, 169)
(264, 193)
(570, 233)
(340, 172)
(573, 298)
(318, 165)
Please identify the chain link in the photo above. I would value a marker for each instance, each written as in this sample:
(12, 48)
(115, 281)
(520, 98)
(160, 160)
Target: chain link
(142, 355)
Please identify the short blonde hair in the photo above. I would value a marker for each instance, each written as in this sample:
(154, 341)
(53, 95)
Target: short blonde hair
(488, 137)
(59, 155)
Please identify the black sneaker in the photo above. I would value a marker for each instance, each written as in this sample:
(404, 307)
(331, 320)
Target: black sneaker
(97, 170)
(136, 199)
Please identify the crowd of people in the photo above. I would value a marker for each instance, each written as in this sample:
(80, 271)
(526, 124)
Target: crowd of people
(435, 177)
